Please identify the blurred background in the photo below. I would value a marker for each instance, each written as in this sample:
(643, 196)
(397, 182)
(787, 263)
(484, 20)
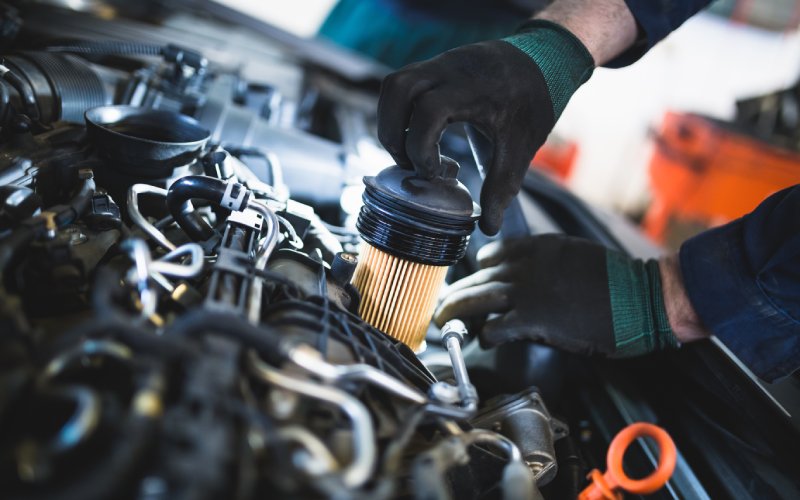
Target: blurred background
(696, 133)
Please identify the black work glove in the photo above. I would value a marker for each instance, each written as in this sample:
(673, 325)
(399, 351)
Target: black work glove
(566, 292)
(513, 90)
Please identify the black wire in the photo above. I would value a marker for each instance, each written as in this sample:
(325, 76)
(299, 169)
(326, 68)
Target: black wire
(322, 283)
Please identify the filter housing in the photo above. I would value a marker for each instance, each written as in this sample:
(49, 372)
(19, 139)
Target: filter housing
(413, 230)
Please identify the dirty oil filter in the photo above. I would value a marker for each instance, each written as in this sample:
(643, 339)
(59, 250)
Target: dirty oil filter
(413, 230)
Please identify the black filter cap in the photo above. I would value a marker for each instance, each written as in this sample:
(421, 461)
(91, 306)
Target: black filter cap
(423, 220)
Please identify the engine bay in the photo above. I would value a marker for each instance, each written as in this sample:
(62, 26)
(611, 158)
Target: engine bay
(179, 319)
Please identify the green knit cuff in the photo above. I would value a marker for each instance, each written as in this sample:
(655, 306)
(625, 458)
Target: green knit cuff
(563, 60)
(637, 307)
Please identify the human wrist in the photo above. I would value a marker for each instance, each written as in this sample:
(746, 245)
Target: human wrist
(605, 27)
(563, 60)
(683, 319)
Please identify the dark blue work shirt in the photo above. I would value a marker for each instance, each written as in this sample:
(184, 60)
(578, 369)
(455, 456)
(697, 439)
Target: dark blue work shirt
(656, 19)
(744, 281)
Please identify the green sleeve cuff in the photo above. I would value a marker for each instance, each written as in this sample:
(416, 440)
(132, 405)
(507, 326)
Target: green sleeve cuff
(637, 307)
(563, 60)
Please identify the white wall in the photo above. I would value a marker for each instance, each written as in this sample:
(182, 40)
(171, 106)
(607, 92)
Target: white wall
(301, 17)
(703, 67)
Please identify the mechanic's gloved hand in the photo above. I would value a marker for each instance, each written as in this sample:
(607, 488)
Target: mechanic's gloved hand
(513, 90)
(566, 292)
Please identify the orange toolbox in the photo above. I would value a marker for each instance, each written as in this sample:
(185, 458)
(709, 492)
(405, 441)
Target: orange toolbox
(703, 172)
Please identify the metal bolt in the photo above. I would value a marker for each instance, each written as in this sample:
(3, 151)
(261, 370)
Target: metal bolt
(453, 333)
(456, 329)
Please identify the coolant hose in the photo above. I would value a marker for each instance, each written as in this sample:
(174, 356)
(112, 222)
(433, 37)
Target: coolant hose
(232, 196)
(24, 90)
(81, 201)
(63, 215)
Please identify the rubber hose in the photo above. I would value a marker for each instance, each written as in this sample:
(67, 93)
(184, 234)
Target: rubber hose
(5, 104)
(25, 92)
(67, 214)
(72, 86)
(179, 197)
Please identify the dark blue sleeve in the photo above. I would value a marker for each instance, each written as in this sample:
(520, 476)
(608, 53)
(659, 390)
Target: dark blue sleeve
(743, 279)
(656, 19)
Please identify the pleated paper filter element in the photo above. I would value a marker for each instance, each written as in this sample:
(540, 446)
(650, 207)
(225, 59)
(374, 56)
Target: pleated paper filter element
(413, 230)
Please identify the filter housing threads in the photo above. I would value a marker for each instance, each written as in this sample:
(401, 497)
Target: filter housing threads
(413, 230)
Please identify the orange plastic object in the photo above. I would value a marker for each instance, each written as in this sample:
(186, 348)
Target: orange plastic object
(706, 174)
(557, 158)
(607, 486)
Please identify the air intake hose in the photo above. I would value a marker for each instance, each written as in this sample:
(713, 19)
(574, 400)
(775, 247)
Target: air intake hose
(55, 86)
(229, 195)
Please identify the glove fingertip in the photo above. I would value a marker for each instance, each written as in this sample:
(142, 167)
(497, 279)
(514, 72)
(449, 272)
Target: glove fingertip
(490, 222)
(446, 311)
(427, 166)
(490, 254)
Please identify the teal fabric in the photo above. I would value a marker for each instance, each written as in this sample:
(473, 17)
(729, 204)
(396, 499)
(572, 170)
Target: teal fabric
(637, 306)
(563, 60)
(377, 31)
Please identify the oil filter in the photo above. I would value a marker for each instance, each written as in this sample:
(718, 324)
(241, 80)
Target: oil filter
(413, 230)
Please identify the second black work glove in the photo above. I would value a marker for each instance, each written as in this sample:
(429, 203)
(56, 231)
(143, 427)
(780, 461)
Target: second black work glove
(566, 292)
(513, 90)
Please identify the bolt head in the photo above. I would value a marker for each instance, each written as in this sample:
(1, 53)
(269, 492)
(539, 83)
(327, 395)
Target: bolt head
(454, 328)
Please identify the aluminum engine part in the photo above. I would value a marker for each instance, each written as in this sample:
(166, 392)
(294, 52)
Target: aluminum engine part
(524, 419)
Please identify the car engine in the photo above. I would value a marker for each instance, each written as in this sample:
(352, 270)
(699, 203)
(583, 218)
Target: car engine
(178, 324)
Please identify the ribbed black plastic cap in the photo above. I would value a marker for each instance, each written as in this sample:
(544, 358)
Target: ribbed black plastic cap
(416, 219)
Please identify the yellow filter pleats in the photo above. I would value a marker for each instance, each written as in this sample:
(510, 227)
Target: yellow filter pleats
(398, 297)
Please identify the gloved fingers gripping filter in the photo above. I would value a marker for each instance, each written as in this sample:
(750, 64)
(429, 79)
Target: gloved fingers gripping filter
(413, 230)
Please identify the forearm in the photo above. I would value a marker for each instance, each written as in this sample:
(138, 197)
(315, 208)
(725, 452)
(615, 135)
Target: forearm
(606, 27)
(683, 319)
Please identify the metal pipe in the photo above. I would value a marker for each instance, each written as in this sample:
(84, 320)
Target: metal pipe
(294, 239)
(313, 445)
(89, 347)
(262, 256)
(453, 333)
(309, 359)
(145, 268)
(271, 238)
(188, 270)
(139, 274)
(83, 421)
(360, 469)
(429, 470)
(140, 221)
(518, 481)
(484, 436)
